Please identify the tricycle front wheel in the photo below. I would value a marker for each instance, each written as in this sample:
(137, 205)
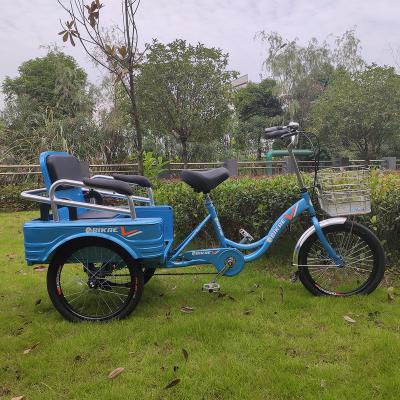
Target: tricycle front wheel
(94, 279)
(363, 261)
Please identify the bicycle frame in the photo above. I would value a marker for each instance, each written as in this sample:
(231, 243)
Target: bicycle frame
(260, 247)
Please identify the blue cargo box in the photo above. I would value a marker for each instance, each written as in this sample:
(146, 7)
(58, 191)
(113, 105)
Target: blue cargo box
(143, 238)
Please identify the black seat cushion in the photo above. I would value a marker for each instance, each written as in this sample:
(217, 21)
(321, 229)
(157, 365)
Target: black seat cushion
(205, 181)
(136, 179)
(64, 166)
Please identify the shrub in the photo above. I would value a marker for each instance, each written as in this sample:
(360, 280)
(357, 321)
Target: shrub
(254, 204)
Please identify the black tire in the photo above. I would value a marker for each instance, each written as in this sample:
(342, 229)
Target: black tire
(106, 289)
(363, 255)
(148, 274)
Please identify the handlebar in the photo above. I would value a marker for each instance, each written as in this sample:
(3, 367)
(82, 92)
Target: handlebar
(276, 132)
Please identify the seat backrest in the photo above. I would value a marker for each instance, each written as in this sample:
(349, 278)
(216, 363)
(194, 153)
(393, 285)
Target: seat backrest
(60, 165)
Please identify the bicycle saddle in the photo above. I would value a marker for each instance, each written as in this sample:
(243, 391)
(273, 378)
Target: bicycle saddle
(205, 181)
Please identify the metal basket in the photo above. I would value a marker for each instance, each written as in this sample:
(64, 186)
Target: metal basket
(344, 191)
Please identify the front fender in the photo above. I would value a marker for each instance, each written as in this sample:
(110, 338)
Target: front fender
(310, 231)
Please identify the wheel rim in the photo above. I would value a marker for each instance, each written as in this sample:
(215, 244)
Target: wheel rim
(356, 272)
(95, 283)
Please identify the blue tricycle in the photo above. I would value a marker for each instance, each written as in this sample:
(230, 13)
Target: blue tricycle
(101, 255)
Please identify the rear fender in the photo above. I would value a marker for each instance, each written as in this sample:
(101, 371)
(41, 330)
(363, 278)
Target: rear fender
(310, 231)
(59, 245)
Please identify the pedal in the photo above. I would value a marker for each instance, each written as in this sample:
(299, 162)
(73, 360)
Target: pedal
(246, 237)
(211, 287)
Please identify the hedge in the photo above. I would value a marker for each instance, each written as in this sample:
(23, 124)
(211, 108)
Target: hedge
(254, 204)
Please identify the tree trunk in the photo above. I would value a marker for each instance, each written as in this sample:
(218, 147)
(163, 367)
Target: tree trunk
(184, 153)
(136, 123)
(366, 153)
(259, 150)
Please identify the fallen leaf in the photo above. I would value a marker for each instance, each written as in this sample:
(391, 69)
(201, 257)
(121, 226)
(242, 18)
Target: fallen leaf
(18, 398)
(4, 391)
(115, 373)
(172, 383)
(48, 387)
(390, 294)
(173, 288)
(21, 271)
(187, 309)
(349, 319)
(261, 299)
(247, 312)
(40, 268)
(11, 256)
(27, 351)
(38, 301)
(185, 354)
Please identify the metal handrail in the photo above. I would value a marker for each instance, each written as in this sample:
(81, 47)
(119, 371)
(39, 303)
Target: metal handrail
(53, 200)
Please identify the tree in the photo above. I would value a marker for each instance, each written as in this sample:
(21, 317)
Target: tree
(256, 107)
(48, 105)
(54, 82)
(359, 112)
(186, 92)
(304, 72)
(118, 55)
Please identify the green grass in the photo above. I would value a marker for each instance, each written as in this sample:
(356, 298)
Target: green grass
(269, 339)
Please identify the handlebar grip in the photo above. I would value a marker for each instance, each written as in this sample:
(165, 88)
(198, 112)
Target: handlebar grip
(273, 129)
(275, 133)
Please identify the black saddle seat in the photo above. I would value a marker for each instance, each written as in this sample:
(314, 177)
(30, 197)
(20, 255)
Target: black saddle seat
(205, 181)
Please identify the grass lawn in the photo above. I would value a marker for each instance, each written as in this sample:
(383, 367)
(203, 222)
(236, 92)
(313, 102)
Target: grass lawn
(266, 339)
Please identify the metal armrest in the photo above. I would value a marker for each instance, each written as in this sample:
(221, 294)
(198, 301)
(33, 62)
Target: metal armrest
(109, 184)
(136, 180)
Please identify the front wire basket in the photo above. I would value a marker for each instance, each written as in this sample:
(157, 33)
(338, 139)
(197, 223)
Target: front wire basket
(344, 191)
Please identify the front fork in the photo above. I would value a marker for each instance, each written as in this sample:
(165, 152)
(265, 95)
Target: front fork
(325, 243)
(320, 233)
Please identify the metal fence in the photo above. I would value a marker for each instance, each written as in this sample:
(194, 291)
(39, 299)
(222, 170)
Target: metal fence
(13, 174)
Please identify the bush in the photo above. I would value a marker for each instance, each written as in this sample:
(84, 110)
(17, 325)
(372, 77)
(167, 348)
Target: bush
(254, 204)
(10, 198)
(385, 218)
(249, 203)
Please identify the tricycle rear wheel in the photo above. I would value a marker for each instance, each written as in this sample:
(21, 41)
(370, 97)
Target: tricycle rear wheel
(148, 274)
(94, 279)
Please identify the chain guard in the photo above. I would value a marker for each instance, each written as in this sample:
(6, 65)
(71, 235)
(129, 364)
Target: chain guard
(228, 256)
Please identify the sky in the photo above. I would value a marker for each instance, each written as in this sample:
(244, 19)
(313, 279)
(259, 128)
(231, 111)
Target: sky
(231, 25)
